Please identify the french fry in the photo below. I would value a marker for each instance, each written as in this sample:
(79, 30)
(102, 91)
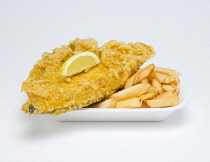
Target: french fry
(110, 103)
(157, 103)
(134, 91)
(166, 95)
(129, 82)
(163, 70)
(143, 73)
(146, 81)
(157, 85)
(163, 78)
(144, 105)
(172, 84)
(146, 96)
(177, 91)
(151, 76)
(129, 103)
(149, 87)
(173, 73)
(168, 87)
(171, 99)
(152, 89)
(139, 76)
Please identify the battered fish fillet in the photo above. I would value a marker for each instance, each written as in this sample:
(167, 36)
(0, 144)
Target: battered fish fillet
(47, 94)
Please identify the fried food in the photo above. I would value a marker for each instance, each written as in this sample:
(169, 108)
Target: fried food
(110, 103)
(146, 81)
(177, 91)
(150, 93)
(163, 78)
(157, 85)
(173, 73)
(48, 94)
(129, 103)
(134, 91)
(139, 76)
(146, 96)
(168, 88)
(152, 89)
(143, 73)
(164, 100)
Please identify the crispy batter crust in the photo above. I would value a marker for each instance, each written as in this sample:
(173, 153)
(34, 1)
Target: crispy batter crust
(50, 95)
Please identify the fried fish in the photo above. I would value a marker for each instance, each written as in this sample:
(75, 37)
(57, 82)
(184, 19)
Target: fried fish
(49, 94)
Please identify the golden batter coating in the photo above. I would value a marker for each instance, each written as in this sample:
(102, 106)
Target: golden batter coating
(48, 94)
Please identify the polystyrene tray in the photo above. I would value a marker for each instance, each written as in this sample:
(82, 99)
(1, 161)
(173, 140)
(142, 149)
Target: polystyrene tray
(124, 114)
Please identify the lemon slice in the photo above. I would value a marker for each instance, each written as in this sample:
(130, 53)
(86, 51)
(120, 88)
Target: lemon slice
(78, 63)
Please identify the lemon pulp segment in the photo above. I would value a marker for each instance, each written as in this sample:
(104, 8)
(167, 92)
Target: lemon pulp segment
(78, 63)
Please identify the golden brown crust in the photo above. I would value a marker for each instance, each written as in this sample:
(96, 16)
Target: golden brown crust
(49, 94)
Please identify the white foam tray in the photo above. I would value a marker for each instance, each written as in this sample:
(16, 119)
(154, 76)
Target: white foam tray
(124, 114)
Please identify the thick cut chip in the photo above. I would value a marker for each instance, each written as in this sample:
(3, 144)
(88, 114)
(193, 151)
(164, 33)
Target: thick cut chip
(129, 82)
(168, 88)
(139, 76)
(173, 73)
(129, 103)
(163, 70)
(134, 91)
(146, 81)
(152, 89)
(157, 85)
(166, 95)
(144, 105)
(143, 73)
(151, 76)
(177, 91)
(146, 96)
(166, 99)
(163, 78)
(110, 103)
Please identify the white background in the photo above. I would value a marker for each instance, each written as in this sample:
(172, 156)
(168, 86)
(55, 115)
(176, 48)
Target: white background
(178, 30)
